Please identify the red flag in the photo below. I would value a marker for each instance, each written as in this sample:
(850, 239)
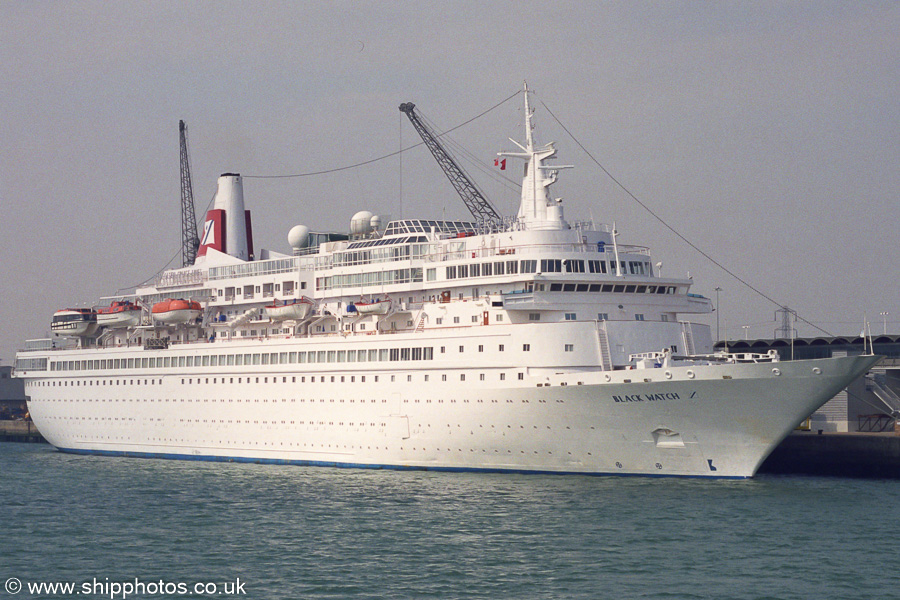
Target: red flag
(500, 163)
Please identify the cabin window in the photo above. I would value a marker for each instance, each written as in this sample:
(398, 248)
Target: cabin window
(526, 347)
(569, 347)
(551, 265)
(597, 266)
(534, 316)
(570, 316)
(603, 316)
(638, 317)
(528, 266)
(574, 265)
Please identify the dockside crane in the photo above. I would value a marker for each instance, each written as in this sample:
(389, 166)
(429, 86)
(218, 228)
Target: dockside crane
(475, 201)
(190, 238)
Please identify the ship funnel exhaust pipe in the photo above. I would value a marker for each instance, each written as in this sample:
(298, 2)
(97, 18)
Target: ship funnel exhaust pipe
(227, 225)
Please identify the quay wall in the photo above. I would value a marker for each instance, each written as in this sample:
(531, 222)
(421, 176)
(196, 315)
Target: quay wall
(837, 454)
(20, 431)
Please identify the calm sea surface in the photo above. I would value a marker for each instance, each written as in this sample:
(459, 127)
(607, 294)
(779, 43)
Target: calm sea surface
(267, 532)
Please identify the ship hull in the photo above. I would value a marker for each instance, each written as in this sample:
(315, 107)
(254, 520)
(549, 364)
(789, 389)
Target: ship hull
(704, 421)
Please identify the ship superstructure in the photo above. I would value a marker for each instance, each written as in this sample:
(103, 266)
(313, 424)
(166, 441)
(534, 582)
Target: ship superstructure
(533, 345)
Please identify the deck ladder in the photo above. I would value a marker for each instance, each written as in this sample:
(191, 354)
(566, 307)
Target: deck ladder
(421, 325)
(687, 335)
(605, 354)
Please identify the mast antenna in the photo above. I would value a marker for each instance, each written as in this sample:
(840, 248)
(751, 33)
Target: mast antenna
(190, 239)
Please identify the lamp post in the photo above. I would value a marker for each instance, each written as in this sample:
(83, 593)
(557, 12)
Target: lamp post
(884, 315)
(718, 337)
(746, 329)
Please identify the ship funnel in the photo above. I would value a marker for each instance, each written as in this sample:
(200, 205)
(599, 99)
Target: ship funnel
(227, 224)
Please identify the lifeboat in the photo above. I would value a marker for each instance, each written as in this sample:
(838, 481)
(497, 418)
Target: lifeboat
(119, 314)
(74, 322)
(375, 307)
(176, 310)
(293, 310)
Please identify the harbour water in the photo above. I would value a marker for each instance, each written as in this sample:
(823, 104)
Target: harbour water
(269, 532)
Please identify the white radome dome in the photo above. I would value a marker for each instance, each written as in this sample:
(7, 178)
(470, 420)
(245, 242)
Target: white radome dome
(361, 222)
(298, 237)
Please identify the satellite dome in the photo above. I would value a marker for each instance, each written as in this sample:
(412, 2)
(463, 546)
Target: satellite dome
(361, 223)
(375, 222)
(298, 237)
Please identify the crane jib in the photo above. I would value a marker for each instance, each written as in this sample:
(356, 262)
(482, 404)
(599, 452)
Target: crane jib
(474, 200)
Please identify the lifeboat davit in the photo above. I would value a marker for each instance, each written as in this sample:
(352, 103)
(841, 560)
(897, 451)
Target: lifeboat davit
(74, 322)
(376, 307)
(119, 314)
(293, 310)
(176, 310)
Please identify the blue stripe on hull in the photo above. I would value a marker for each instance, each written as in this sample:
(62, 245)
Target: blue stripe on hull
(345, 465)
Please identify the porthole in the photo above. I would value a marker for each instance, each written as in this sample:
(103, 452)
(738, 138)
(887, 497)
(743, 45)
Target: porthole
(668, 374)
(817, 370)
(776, 371)
(607, 377)
(690, 374)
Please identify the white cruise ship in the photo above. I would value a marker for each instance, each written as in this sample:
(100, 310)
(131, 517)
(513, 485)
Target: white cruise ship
(528, 344)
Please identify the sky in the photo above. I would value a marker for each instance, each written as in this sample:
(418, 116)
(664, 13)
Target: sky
(765, 133)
